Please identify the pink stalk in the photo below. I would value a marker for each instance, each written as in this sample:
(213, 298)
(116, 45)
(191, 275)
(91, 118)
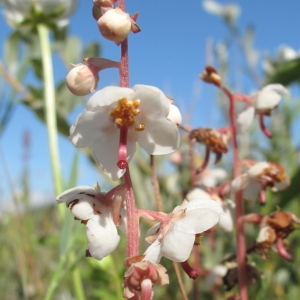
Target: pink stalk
(132, 217)
(122, 159)
(242, 97)
(262, 195)
(132, 214)
(282, 251)
(240, 236)
(192, 273)
(263, 128)
(157, 216)
(205, 162)
(146, 289)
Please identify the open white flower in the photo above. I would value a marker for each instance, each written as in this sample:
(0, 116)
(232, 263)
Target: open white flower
(260, 176)
(18, 10)
(175, 237)
(116, 118)
(100, 212)
(262, 103)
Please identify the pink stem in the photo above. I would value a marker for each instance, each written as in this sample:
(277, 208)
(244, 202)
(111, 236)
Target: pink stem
(282, 251)
(192, 273)
(205, 162)
(122, 159)
(263, 128)
(240, 236)
(146, 289)
(132, 217)
(242, 97)
(262, 195)
(158, 216)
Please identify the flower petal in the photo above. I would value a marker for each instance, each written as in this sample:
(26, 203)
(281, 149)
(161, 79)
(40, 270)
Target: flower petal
(177, 245)
(83, 209)
(106, 149)
(107, 97)
(154, 104)
(269, 97)
(76, 193)
(159, 137)
(102, 236)
(245, 119)
(88, 127)
(200, 216)
(153, 252)
(226, 219)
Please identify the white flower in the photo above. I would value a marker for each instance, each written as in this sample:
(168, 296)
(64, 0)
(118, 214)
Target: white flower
(263, 102)
(175, 237)
(18, 10)
(229, 12)
(100, 212)
(143, 110)
(226, 220)
(258, 177)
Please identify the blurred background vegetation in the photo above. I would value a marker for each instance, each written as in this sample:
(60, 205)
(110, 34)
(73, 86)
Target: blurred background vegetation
(43, 248)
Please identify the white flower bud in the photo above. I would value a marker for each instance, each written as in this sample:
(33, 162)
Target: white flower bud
(115, 25)
(82, 80)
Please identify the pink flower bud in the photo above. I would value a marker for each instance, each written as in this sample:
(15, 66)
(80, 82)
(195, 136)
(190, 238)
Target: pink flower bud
(82, 80)
(115, 25)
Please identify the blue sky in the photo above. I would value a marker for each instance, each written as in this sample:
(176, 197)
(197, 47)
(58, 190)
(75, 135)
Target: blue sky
(169, 52)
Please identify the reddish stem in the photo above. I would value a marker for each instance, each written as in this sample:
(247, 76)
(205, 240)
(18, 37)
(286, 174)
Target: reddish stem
(132, 217)
(242, 97)
(240, 236)
(192, 273)
(205, 162)
(263, 128)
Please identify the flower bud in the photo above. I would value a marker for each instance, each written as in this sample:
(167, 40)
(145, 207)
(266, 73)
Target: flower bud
(115, 25)
(82, 80)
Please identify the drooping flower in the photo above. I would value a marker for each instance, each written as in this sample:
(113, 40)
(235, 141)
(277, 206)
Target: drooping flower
(274, 229)
(100, 212)
(58, 11)
(115, 25)
(116, 118)
(175, 236)
(262, 104)
(258, 177)
(83, 78)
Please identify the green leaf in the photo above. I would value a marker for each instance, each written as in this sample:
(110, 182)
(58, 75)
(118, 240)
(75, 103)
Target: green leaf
(286, 73)
(92, 50)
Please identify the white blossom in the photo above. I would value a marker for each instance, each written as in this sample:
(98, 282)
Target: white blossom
(148, 124)
(175, 237)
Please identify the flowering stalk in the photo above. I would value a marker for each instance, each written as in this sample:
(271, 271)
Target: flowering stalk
(240, 236)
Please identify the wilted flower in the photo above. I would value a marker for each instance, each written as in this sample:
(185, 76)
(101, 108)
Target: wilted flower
(262, 103)
(210, 75)
(115, 25)
(59, 11)
(138, 271)
(274, 229)
(100, 212)
(116, 118)
(260, 176)
(175, 236)
(83, 79)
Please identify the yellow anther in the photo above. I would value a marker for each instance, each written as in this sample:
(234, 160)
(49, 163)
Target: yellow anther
(125, 111)
(140, 127)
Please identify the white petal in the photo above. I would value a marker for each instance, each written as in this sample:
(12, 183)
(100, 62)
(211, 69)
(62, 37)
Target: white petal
(153, 252)
(102, 236)
(197, 193)
(257, 169)
(154, 104)
(175, 115)
(239, 183)
(108, 96)
(252, 190)
(212, 7)
(76, 193)
(245, 119)
(269, 97)
(279, 186)
(123, 222)
(106, 150)
(200, 216)
(226, 219)
(177, 246)
(88, 127)
(159, 137)
(83, 209)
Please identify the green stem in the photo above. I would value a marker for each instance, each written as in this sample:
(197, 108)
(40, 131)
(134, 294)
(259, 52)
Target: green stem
(50, 107)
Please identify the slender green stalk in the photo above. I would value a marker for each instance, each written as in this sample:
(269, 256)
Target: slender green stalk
(50, 107)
